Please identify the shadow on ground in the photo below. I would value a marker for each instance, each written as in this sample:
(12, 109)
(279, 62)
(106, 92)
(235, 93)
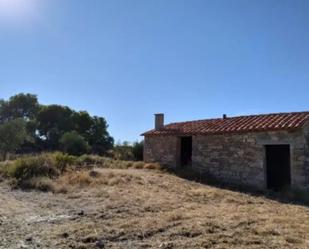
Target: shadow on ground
(287, 196)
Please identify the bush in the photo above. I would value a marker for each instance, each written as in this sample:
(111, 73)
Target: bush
(138, 150)
(86, 160)
(128, 152)
(4, 168)
(47, 172)
(26, 168)
(74, 144)
(63, 160)
(123, 152)
(44, 184)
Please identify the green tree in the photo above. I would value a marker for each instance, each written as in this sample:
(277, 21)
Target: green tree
(82, 123)
(74, 144)
(138, 150)
(26, 107)
(98, 136)
(22, 105)
(12, 135)
(46, 125)
(53, 122)
(4, 111)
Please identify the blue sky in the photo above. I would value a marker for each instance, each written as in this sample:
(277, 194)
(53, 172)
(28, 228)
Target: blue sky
(128, 59)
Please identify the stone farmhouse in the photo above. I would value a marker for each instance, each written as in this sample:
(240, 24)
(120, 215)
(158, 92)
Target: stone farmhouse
(268, 151)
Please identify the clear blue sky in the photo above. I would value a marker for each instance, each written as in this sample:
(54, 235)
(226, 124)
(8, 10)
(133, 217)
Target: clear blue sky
(127, 59)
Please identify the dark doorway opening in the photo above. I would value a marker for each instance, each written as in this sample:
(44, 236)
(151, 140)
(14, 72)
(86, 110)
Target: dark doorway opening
(185, 151)
(278, 168)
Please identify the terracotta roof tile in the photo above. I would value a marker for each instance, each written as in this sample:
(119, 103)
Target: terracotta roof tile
(252, 123)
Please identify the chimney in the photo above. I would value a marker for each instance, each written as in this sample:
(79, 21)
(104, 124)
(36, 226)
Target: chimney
(224, 116)
(159, 121)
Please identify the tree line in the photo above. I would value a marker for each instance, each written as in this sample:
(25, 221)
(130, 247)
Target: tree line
(27, 126)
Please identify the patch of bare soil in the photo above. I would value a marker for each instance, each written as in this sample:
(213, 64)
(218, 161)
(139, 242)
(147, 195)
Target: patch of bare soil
(147, 209)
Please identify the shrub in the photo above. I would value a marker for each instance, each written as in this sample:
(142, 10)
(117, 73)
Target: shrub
(123, 152)
(44, 184)
(63, 160)
(26, 168)
(74, 144)
(48, 171)
(86, 160)
(128, 152)
(4, 167)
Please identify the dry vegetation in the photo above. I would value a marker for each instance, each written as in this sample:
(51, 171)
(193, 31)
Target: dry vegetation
(96, 207)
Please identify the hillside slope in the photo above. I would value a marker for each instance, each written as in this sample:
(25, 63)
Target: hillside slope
(147, 209)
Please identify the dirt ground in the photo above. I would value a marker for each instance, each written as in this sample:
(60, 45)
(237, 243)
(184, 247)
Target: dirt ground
(148, 209)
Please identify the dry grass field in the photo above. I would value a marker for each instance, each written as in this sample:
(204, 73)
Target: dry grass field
(138, 208)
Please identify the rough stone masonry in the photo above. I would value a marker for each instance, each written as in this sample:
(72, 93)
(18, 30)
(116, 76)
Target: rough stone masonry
(236, 154)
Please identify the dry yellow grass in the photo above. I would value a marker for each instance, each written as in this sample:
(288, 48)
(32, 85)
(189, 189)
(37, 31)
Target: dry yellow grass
(132, 208)
(95, 178)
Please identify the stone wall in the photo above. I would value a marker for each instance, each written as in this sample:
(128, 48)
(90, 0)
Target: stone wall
(234, 158)
(162, 149)
(240, 158)
(306, 155)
